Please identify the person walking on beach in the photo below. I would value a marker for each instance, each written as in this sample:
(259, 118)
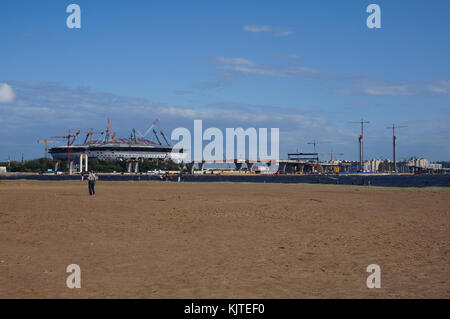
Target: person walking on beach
(91, 181)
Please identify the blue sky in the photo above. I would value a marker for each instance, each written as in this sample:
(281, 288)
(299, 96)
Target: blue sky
(307, 67)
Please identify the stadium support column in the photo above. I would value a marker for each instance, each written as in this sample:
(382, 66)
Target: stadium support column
(83, 162)
(70, 167)
(283, 168)
(190, 167)
(201, 165)
(249, 165)
(129, 167)
(136, 166)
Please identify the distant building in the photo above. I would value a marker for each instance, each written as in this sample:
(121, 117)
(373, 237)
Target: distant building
(418, 162)
(373, 165)
(411, 165)
(435, 166)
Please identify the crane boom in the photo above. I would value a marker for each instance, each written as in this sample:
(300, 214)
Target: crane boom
(156, 135)
(165, 138)
(68, 136)
(110, 130)
(46, 142)
(91, 135)
(314, 142)
(150, 128)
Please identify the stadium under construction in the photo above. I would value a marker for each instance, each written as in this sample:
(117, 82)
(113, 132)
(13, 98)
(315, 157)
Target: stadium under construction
(110, 148)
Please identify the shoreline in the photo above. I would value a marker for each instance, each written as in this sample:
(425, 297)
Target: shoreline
(372, 180)
(309, 186)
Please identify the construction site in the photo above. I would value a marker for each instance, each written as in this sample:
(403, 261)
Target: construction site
(138, 154)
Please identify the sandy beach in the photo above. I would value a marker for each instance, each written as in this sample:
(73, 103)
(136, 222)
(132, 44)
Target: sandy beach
(222, 240)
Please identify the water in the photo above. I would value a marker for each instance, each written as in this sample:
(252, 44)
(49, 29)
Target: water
(376, 180)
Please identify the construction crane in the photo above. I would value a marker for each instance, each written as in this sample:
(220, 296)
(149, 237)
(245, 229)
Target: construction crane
(165, 138)
(70, 139)
(156, 135)
(314, 142)
(46, 142)
(361, 144)
(149, 129)
(112, 135)
(331, 155)
(71, 136)
(394, 143)
(91, 135)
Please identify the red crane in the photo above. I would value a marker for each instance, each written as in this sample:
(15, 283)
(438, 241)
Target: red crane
(70, 139)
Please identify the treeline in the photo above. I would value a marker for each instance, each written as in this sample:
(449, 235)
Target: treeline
(41, 165)
(38, 165)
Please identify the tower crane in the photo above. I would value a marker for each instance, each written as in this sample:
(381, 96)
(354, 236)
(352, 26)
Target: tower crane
(91, 135)
(361, 144)
(394, 143)
(46, 142)
(314, 142)
(70, 139)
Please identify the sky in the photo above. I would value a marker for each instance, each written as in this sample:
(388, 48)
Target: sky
(305, 67)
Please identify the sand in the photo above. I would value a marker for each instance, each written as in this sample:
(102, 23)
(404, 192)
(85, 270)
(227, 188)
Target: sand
(222, 240)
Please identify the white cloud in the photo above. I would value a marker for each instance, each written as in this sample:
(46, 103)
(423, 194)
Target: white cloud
(47, 109)
(367, 86)
(257, 28)
(230, 68)
(233, 61)
(245, 66)
(71, 107)
(281, 32)
(7, 94)
(284, 33)
(387, 89)
(363, 85)
(440, 87)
